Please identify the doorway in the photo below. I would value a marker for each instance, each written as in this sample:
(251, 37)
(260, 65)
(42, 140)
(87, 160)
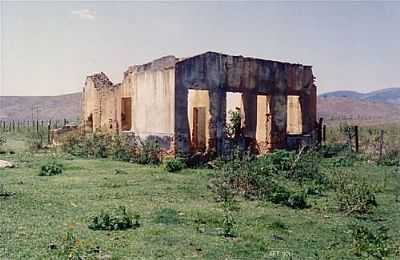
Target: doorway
(126, 114)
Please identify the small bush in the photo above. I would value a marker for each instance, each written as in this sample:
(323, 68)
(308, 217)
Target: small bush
(174, 165)
(121, 149)
(297, 201)
(74, 248)
(148, 152)
(51, 168)
(370, 243)
(355, 197)
(167, 216)
(392, 158)
(229, 205)
(118, 219)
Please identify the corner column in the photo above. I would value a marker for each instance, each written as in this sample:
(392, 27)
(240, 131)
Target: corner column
(278, 110)
(308, 103)
(182, 135)
(216, 126)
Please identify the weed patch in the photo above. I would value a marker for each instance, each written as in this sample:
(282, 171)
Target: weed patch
(51, 168)
(118, 219)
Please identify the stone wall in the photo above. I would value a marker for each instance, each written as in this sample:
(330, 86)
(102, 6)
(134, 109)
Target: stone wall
(219, 74)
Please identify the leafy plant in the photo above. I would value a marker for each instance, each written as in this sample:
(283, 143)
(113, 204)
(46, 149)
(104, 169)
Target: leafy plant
(174, 165)
(355, 197)
(74, 248)
(370, 243)
(228, 206)
(297, 201)
(234, 125)
(121, 149)
(148, 152)
(50, 168)
(118, 219)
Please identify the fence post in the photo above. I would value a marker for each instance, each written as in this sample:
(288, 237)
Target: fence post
(324, 134)
(356, 136)
(48, 132)
(381, 145)
(37, 126)
(320, 123)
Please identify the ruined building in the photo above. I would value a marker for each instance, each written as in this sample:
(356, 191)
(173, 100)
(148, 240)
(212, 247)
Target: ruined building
(183, 103)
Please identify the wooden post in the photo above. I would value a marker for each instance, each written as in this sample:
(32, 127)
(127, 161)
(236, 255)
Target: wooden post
(321, 121)
(37, 126)
(356, 137)
(48, 132)
(381, 145)
(324, 134)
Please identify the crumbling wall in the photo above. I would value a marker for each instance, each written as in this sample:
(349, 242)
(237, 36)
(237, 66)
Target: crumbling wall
(152, 88)
(99, 102)
(219, 73)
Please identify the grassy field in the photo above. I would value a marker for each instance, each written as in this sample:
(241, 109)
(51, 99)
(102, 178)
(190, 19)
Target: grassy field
(35, 220)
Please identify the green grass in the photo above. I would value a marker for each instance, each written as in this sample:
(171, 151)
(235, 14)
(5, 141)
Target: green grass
(179, 216)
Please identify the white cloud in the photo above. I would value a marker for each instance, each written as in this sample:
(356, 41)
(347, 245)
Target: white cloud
(85, 14)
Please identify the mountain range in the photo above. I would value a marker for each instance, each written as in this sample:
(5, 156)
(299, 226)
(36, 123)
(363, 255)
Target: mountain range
(377, 106)
(388, 95)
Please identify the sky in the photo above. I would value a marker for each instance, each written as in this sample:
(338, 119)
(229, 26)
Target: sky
(48, 48)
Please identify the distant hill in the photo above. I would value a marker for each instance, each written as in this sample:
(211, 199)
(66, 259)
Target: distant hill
(378, 106)
(49, 107)
(363, 111)
(388, 95)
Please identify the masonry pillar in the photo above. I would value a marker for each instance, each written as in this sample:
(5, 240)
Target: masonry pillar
(278, 110)
(182, 135)
(217, 120)
(308, 103)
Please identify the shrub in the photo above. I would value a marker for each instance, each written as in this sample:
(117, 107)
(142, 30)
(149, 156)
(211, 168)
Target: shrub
(391, 158)
(118, 219)
(370, 243)
(50, 168)
(297, 201)
(174, 165)
(355, 196)
(167, 216)
(74, 248)
(121, 149)
(229, 205)
(103, 145)
(148, 152)
(306, 168)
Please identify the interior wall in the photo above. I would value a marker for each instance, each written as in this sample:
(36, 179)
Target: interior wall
(294, 117)
(198, 98)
